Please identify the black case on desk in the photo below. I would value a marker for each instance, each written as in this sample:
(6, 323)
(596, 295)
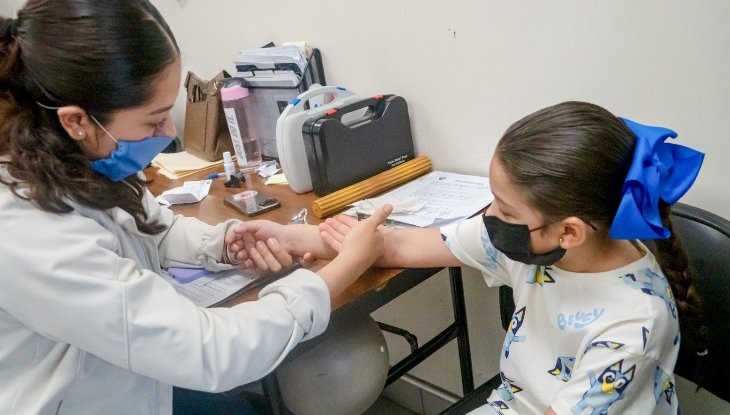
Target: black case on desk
(340, 154)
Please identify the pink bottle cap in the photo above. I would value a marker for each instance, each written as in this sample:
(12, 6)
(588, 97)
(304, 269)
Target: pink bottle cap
(233, 92)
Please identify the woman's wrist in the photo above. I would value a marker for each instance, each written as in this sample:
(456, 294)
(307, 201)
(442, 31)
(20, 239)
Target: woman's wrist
(228, 258)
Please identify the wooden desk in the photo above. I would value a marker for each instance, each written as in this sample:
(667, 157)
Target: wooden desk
(371, 291)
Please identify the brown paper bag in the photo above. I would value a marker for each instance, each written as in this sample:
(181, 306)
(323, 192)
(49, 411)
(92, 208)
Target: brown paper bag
(206, 132)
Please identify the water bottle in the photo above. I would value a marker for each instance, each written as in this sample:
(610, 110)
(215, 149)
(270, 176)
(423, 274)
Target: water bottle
(246, 146)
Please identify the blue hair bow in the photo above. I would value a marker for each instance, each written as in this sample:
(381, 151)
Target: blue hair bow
(659, 170)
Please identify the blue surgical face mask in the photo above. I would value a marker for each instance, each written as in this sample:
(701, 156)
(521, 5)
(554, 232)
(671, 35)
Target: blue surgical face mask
(129, 157)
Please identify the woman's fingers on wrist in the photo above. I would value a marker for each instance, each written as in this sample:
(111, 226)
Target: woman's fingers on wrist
(235, 246)
(280, 254)
(239, 255)
(257, 260)
(271, 261)
(306, 260)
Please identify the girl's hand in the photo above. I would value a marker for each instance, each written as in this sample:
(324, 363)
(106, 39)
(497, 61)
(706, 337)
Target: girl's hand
(334, 230)
(359, 249)
(363, 240)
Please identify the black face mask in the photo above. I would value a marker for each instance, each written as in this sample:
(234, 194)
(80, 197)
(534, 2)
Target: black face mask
(513, 240)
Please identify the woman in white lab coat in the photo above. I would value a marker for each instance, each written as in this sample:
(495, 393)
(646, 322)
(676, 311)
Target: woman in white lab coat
(87, 326)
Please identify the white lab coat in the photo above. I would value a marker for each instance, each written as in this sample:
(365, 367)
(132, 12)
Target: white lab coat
(88, 327)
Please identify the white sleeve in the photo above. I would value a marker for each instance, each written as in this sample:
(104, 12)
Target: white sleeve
(69, 285)
(188, 241)
(469, 242)
(219, 348)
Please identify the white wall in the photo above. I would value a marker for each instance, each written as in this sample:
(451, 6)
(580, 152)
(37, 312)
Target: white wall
(470, 68)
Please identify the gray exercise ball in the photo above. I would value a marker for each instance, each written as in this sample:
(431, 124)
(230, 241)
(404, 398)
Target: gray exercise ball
(342, 375)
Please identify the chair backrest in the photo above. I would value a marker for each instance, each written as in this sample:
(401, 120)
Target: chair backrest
(706, 238)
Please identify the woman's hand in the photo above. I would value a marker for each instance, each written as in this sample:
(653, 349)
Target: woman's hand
(264, 245)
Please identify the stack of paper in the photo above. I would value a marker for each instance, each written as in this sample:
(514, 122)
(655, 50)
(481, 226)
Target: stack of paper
(433, 200)
(272, 58)
(177, 165)
(281, 66)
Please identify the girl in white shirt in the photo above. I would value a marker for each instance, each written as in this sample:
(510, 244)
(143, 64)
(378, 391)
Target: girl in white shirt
(597, 318)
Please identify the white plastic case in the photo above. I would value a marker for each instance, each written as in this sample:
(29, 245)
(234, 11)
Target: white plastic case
(289, 139)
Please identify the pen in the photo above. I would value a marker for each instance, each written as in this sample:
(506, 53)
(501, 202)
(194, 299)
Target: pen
(215, 175)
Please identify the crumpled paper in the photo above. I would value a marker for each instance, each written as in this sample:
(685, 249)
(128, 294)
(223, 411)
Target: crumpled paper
(406, 205)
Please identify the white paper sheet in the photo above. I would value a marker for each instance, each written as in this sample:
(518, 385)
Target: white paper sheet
(214, 288)
(189, 192)
(447, 197)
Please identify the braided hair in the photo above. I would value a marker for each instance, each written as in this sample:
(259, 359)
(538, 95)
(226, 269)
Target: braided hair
(674, 262)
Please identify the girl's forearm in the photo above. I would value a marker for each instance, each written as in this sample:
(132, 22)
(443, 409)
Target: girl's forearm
(306, 239)
(416, 248)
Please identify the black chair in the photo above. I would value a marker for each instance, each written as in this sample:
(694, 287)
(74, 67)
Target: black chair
(706, 239)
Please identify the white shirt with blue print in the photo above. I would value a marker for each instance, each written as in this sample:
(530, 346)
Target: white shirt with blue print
(581, 343)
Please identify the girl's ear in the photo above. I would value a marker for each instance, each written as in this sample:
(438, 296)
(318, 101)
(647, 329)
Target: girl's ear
(77, 123)
(575, 232)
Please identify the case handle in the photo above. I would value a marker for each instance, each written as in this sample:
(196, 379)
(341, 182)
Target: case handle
(338, 92)
(375, 107)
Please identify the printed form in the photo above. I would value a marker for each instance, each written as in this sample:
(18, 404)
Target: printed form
(433, 200)
(213, 289)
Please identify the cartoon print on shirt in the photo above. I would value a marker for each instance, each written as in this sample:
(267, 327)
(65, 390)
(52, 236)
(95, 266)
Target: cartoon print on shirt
(645, 335)
(656, 285)
(563, 368)
(514, 326)
(507, 389)
(604, 390)
(491, 254)
(539, 275)
(498, 406)
(663, 385)
(579, 319)
(604, 344)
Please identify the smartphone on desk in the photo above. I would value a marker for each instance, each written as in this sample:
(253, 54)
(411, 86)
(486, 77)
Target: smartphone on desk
(251, 202)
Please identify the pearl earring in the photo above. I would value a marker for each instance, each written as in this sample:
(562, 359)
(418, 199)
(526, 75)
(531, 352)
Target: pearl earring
(80, 133)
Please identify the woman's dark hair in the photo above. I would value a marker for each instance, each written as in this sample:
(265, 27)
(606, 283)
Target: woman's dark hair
(571, 159)
(100, 55)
